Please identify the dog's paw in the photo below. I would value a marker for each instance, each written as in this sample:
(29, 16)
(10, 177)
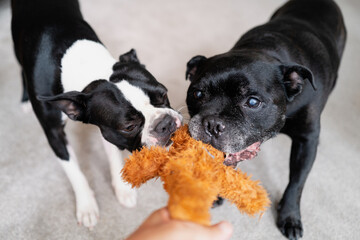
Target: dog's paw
(291, 228)
(26, 107)
(289, 221)
(125, 194)
(87, 212)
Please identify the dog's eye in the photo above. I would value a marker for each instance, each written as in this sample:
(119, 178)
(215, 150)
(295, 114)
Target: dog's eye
(129, 128)
(164, 98)
(253, 102)
(198, 94)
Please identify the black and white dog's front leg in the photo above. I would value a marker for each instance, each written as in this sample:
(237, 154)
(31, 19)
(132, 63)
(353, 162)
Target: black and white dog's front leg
(303, 153)
(125, 194)
(87, 211)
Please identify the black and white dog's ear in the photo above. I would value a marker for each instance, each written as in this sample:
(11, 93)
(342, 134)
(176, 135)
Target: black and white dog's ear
(294, 77)
(193, 66)
(129, 57)
(73, 104)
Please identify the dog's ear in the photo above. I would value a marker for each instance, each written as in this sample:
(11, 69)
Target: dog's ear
(293, 80)
(73, 104)
(193, 66)
(129, 57)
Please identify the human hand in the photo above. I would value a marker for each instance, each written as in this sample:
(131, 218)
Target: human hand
(159, 226)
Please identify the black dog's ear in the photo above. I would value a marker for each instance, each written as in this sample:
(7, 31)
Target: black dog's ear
(193, 66)
(129, 57)
(73, 104)
(294, 77)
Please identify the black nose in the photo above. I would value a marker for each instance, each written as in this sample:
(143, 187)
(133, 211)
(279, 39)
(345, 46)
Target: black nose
(213, 126)
(165, 126)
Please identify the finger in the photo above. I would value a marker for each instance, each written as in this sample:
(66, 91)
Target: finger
(220, 231)
(223, 228)
(159, 216)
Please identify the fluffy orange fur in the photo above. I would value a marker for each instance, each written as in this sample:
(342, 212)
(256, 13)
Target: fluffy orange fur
(194, 175)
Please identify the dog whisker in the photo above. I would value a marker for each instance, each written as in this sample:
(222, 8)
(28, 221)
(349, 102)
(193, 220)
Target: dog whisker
(184, 113)
(180, 108)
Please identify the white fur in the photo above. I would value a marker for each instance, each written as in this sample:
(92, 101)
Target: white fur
(141, 102)
(26, 107)
(125, 194)
(64, 117)
(87, 211)
(85, 61)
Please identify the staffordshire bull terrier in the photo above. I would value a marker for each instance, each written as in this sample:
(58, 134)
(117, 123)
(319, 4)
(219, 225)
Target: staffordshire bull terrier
(276, 79)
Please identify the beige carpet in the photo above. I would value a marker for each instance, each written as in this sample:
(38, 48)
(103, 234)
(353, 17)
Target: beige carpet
(36, 199)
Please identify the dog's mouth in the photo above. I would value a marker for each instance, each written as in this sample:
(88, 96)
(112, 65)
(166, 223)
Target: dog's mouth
(232, 159)
(169, 142)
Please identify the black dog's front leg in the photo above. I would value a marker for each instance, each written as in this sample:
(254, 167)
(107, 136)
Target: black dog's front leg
(303, 153)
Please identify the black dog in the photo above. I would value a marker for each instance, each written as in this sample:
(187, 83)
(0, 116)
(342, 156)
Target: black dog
(277, 78)
(66, 68)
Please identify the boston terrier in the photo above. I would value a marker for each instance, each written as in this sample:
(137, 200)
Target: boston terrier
(68, 73)
(276, 79)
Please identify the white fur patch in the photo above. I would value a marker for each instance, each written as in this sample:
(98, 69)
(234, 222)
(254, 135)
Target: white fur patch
(26, 107)
(141, 102)
(125, 194)
(84, 62)
(87, 211)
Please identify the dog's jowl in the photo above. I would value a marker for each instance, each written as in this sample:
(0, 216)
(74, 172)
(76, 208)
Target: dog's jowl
(68, 73)
(276, 79)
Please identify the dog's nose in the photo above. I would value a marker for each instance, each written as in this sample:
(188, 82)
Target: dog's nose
(165, 126)
(213, 126)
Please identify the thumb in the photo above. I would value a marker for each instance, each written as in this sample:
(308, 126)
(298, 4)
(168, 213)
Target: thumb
(221, 231)
(160, 216)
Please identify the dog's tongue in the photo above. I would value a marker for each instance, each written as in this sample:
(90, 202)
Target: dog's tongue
(248, 153)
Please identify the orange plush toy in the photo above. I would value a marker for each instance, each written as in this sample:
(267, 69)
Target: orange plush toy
(194, 175)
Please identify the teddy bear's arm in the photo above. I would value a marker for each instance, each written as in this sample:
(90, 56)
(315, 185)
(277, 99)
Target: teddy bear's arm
(144, 165)
(248, 195)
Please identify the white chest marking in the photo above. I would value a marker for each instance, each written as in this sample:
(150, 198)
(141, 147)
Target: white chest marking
(84, 62)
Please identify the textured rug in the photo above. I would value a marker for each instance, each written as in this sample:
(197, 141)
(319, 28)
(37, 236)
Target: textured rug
(36, 199)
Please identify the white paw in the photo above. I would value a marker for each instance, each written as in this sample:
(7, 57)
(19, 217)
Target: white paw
(125, 194)
(26, 107)
(87, 212)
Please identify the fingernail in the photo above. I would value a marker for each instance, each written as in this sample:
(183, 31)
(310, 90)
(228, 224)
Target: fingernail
(226, 228)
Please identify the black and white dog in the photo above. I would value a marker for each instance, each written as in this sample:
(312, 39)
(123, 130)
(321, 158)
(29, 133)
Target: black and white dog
(65, 68)
(276, 79)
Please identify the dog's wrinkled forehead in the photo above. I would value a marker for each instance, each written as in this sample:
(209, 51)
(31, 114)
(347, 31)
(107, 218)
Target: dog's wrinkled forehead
(242, 78)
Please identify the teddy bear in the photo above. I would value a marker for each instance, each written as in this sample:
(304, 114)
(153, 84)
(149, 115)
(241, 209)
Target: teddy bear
(194, 175)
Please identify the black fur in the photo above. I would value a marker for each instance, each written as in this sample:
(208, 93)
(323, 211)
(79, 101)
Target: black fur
(42, 31)
(276, 78)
